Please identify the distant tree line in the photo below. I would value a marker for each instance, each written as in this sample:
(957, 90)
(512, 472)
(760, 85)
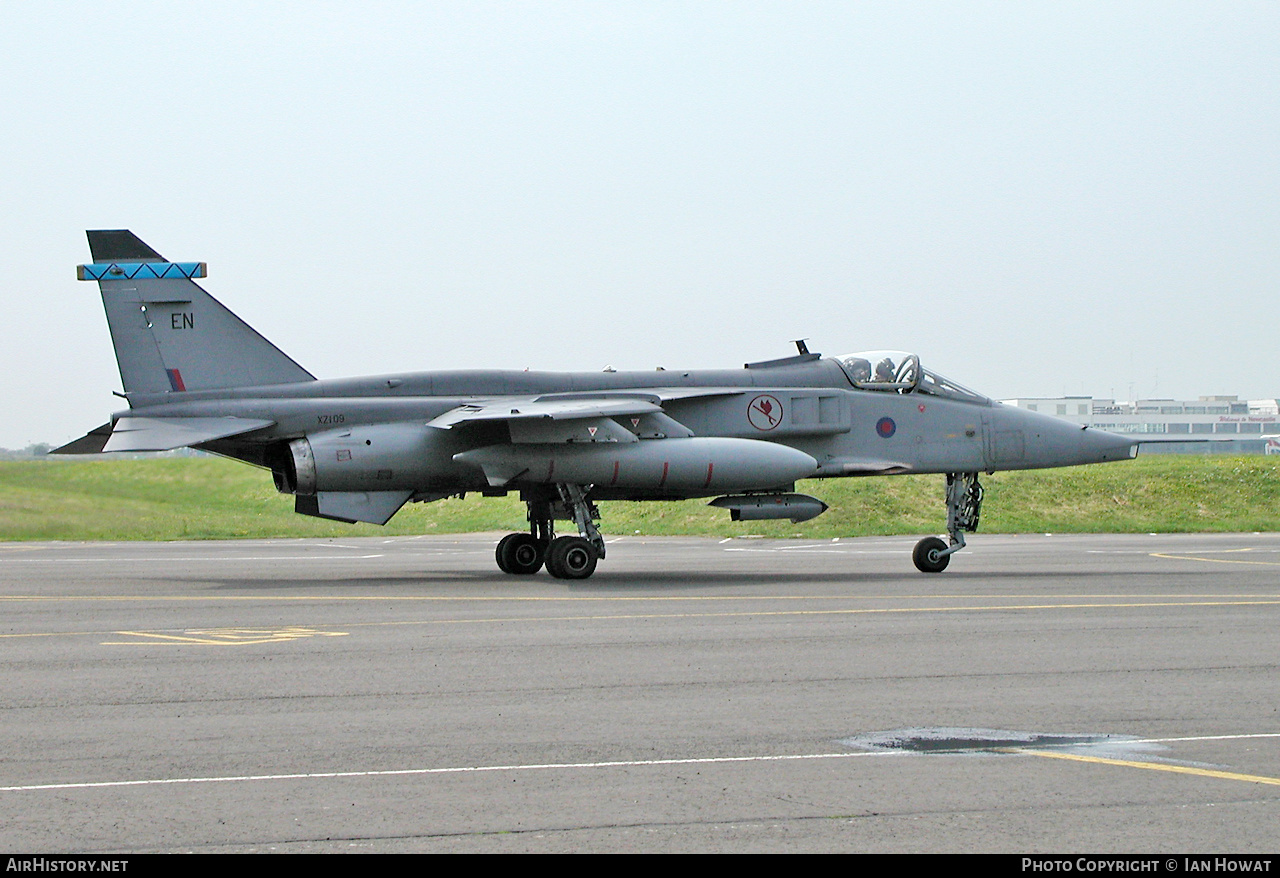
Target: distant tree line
(35, 449)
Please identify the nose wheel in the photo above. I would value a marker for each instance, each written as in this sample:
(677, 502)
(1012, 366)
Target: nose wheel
(931, 555)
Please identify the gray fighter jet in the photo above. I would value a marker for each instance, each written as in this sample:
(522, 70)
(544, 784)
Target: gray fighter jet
(357, 449)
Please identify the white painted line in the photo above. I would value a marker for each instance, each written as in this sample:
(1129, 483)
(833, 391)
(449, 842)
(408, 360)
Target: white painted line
(551, 766)
(819, 551)
(230, 559)
(407, 772)
(1208, 738)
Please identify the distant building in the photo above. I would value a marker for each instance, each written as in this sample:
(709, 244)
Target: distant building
(1252, 425)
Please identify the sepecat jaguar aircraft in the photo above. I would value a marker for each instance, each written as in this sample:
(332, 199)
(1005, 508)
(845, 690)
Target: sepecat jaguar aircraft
(357, 449)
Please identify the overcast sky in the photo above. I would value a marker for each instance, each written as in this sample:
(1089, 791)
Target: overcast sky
(1036, 198)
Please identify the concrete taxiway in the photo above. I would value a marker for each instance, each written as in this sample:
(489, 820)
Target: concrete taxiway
(695, 695)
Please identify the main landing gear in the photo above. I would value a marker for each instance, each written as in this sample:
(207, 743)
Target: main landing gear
(964, 504)
(565, 557)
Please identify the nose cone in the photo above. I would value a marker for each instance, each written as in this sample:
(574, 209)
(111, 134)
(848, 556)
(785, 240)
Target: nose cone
(1100, 446)
(1028, 440)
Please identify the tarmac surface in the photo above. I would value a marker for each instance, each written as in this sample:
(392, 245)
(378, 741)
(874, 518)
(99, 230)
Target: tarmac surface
(1088, 694)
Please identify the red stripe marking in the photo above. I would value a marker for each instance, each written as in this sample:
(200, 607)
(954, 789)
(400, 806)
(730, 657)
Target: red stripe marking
(551, 468)
(615, 473)
(665, 467)
(710, 467)
(175, 380)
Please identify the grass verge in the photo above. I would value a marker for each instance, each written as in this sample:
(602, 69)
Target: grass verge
(211, 498)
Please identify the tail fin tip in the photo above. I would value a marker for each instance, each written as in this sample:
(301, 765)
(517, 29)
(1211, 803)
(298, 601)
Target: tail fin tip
(120, 245)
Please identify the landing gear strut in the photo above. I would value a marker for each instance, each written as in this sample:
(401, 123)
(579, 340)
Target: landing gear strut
(565, 557)
(964, 505)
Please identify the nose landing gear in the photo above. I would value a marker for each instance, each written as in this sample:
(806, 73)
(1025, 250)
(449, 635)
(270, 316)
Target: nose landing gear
(964, 505)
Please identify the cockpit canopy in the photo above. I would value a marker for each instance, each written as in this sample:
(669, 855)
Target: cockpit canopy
(900, 372)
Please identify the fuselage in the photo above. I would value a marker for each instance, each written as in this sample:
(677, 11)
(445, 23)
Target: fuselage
(806, 403)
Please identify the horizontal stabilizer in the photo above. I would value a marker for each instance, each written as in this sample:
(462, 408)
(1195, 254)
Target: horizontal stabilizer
(163, 434)
(91, 443)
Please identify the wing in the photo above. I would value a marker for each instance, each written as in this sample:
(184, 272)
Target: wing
(582, 421)
(526, 408)
(569, 406)
(572, 418)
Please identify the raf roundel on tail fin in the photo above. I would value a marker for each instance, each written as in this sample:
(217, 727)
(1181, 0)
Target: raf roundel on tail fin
(170, 335)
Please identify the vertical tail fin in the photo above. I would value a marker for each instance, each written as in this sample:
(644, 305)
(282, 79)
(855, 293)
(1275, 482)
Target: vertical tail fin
(169, 334)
